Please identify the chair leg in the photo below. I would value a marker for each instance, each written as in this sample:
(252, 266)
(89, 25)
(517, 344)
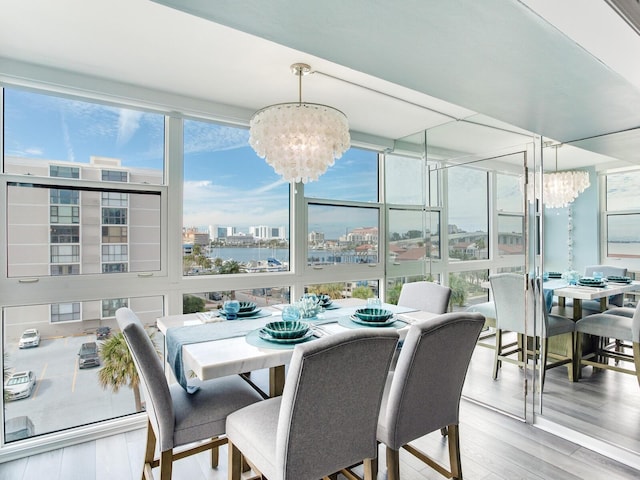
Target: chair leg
(454, 452)
(166, 464)
(571, 349)
(370, 468)
(215, 456)
(393, 464)
(150, 449)
(496, 362)
(235, 462)
(577, 358)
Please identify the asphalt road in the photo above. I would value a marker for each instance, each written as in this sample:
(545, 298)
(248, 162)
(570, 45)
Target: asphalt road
(64, 395)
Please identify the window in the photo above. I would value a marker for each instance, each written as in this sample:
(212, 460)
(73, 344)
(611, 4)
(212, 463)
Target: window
(114, 234)
(64, 214)
(114, 176)
(235, 207)
(115, 199)
(65, 312)
(64, 197)
(110, 306)
(342, 235)
(65, 234)
(468, 220)
(414, 235)
(354, 177)
(65, 269)
(114, 253)
(114, 216)
(65, 253)
(64, 172)
(622, 217)
(114, 268)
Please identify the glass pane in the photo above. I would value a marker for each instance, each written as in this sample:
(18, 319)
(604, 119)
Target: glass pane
(59, 137)
(76, 385)
(623, 232)
(622, 191)
(342, 235)
(404, 180)
(235, 207)
(468, 214)
(49, 239)
(211, 301)
(413, 235)
(468, 288)
(509, 197)
(354, 177)
(510, 235)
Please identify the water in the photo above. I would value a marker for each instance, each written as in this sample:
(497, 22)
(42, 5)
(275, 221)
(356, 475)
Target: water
(244, 255)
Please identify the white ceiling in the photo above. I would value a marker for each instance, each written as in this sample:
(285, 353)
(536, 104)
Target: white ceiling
(566, 70)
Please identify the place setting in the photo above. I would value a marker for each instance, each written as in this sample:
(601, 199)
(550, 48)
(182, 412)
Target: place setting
(285, 333)
(371, 316)
(239, 310)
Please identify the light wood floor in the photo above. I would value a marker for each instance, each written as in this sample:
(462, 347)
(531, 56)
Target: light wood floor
(494, 447)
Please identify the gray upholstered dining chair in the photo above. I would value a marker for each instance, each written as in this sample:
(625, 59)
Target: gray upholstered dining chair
(326, 418)
(175, 417)
(512, 304)
(423, 394)
(426, 296)
(617, 324)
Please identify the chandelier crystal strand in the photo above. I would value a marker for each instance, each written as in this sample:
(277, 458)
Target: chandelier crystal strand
(299, 140)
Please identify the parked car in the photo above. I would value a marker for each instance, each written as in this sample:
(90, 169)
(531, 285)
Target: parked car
(103, 333)
(17, 428)
(88, 355)
(29, 338)
(19, 385)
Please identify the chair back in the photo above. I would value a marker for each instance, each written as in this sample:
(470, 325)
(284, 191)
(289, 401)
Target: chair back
(605, 269)
(152, 377)
(426, 296)
(424, 394)
(331, 400)
(511, 301)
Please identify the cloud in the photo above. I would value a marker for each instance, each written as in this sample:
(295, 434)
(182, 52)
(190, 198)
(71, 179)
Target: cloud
(128, 125)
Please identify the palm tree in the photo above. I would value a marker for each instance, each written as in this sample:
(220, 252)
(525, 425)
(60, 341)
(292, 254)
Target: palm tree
(118, 369)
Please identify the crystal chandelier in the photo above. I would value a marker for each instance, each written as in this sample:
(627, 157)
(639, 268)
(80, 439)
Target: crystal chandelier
(299, 140)
(560, 188)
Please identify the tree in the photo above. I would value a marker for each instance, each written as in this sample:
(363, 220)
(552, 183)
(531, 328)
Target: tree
(362, 292)
(230, 266)
(393, 293)
(334, 290)
(118, 369)
(192, 304)
(458, 290)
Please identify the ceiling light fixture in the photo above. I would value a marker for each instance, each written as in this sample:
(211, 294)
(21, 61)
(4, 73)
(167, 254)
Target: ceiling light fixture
(299, 140)
(562, 188)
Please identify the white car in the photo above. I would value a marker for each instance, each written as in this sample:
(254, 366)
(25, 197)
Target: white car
(29, 338)
(19, 385)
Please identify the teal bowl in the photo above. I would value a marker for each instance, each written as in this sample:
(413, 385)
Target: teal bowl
(370, 314)
(247, 307)
(286, 329)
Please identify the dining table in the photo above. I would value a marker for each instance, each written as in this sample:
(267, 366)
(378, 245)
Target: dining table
(202, 346)
(563, 290)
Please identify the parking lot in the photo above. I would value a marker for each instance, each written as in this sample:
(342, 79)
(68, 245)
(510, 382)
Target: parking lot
(64, 395)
